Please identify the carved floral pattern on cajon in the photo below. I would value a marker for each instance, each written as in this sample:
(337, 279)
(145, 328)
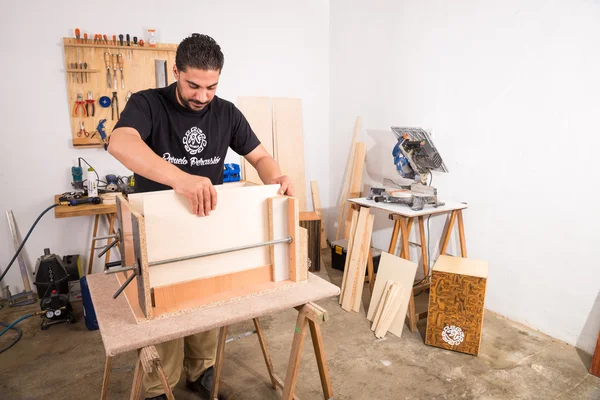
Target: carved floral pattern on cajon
(456, 304)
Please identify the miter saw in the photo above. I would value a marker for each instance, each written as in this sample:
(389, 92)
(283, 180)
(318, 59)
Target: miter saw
(415, 157)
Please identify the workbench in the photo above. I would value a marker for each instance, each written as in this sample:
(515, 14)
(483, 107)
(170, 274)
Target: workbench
(403, 217)
(121, 333)
(86, 210)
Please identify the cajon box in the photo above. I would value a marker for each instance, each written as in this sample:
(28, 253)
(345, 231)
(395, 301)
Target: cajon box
(456, 304)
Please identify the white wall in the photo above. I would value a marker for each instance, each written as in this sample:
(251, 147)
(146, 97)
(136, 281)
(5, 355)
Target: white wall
(272, 48)
(511, 90)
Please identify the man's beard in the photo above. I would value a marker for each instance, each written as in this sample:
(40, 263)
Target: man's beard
(188, 103)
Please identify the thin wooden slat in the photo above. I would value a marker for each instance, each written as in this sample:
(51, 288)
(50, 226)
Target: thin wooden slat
(356, 180)
(355, 254)
(289, 144)
(595, 365)
(293, 231)
(424, 255)
(347, 263)
(461, 234)
(448, 233)
(365, 250)
(348, 170)
(259, 113)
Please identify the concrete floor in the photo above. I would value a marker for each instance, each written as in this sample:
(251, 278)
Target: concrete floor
(67, 362)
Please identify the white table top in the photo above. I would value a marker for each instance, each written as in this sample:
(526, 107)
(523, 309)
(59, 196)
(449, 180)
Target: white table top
(405, 211)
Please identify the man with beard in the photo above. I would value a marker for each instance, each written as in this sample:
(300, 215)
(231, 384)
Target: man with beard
(177, 138)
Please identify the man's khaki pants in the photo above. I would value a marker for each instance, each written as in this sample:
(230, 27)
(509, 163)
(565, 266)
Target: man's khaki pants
(194, 353)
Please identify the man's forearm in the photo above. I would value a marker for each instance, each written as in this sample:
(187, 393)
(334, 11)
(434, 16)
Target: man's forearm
(267, 169)
(134, 154)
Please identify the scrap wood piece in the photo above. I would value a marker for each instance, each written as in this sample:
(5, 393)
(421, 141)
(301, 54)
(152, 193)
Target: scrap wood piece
(362, 265)
(316, 198)
(350, 242)
(391, 306)
(402, 271)
(347, 180)
(380, 304)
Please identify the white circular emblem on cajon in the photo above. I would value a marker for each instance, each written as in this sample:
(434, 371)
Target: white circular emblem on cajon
(453, 335)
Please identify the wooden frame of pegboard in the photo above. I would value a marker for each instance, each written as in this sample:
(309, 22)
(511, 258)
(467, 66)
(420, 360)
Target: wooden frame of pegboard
(92, 78)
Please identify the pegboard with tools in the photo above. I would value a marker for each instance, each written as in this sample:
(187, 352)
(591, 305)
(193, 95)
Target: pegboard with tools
(101, 73)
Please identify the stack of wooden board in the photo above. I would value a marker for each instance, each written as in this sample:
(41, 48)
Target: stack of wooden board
(400, 273)
(359, 243)
(278, 124)
(387, 307)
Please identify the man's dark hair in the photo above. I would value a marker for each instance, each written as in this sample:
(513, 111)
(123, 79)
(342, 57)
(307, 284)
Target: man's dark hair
(200, 52)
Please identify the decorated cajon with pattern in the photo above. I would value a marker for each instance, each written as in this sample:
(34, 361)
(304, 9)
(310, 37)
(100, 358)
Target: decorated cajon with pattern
(456, 304)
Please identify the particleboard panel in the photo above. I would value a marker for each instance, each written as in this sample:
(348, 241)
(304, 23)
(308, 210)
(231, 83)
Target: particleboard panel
(395, 269)
(289, 143)
(241, 218)
(456, 304)
(259, 113)
(138, 74)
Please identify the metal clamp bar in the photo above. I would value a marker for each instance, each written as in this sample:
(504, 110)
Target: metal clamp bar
(212, 253)
(127, 282)
(106, 237)
(122, 269)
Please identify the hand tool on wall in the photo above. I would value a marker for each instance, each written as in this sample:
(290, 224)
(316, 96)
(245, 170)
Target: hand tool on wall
(100, 128)
(89, 103)
(114, 42)
(120, 39)
(114, 102)
(114, 62)
(105, 40)
(104, 102)
(107, 63)
(76, 73)
(120, 60)
(85, 38)
(79, 103)
(85, 73)
(82, 131)
(128, 45)
(77, 35)
(135, 43)
(141, 43)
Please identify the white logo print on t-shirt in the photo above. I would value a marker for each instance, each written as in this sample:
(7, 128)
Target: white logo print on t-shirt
(194, 141)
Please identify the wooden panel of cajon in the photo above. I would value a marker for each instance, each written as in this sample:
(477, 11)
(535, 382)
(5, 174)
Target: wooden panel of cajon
(456, 304)
(279, 253)
(293, 232)
(289, 143)
(172, 231)
(259, 113)
(141, 257)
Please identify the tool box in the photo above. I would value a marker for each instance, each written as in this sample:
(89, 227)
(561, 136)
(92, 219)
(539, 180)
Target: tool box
(339, 249)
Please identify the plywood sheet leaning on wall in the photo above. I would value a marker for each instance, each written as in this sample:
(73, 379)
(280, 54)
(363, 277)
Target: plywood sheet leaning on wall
(289, 143)
(259, 113)
(401, 272)
(456, 304)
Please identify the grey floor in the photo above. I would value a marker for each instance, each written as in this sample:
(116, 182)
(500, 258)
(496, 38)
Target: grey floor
(67, 362)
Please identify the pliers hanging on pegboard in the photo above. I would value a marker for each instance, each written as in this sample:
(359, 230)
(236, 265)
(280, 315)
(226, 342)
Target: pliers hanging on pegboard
(79, 103)
(82, 131)
(114, 102)
(90, 103)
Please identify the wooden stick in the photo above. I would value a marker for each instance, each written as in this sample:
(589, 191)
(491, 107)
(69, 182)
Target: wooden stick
(350, 244)
(595, 366)
(94, 234)
(446, 237)
(424, 255)
(136, 388)
(163, 379)
(356, 181)
(111, 230)
(354, 254)
(380, 305)
(219, 361)
(365, 250)
(315, 333)
(461, 234)
(263, 347)
(107, 367)
(347, 180)
(394, 240)
(291, 376)
(314, 189)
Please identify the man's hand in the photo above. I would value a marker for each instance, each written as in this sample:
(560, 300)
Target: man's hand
(287, 187)
(200, 192)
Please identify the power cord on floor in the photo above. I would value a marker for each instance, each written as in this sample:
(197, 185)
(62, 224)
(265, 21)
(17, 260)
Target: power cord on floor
(16, 329)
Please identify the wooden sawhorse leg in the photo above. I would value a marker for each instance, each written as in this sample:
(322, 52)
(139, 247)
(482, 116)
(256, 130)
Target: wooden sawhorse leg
(111, 230)
(456, 214)
(148, 361)
(107, 366)
(310, 316)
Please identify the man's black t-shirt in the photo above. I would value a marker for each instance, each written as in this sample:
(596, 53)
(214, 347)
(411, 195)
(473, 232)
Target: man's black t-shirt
(194, 141)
